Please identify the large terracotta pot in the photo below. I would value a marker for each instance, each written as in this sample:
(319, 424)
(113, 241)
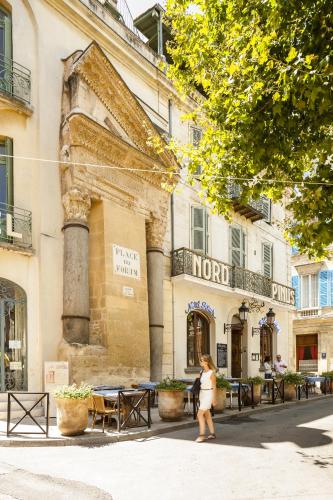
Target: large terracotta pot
(256, 395)
(220, 400)
(171, 405)
(289, 392)
(72, 416)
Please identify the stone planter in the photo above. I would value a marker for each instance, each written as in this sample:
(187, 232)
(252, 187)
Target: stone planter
(256, 395)
(220, 400)
(72, 416)
(171, 405)
(289, 392)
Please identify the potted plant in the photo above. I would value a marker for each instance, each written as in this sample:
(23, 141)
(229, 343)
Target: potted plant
(72, 408)
(290, 380)
(329, 382)
(257, 383)
(171, 399)
(222, 386)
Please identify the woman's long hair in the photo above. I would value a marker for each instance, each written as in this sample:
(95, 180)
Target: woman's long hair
(209, 361)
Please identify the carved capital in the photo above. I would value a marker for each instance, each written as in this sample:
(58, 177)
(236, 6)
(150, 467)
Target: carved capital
(155, 232)
(77, 204)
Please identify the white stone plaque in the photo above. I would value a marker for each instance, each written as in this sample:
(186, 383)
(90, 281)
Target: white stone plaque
(15, 365)
(56, 374)
(128, 291)
(126, 262)
(14, 344)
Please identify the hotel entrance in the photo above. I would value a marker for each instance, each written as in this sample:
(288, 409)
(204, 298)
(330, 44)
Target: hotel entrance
(13, 358)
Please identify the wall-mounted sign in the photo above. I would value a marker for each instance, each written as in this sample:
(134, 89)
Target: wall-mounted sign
(283, 294)
(197, 304)
(14, 344)
(221, 355)
(126, 262)
(255, 356)
(15, 365)
(323, 355)
(210, 269)
(128, 291)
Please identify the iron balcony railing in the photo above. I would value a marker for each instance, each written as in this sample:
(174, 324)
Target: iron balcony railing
(186, 261)
(15, 226)
(254, 209)
(15, 79)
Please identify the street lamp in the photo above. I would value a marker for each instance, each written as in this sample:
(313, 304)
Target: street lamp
(243, 312)
(270, 316)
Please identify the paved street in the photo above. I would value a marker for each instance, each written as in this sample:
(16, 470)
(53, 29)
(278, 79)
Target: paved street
(285, 453)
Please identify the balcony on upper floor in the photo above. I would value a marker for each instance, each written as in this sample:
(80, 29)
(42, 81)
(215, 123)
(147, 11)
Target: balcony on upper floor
(15, 85)
(186, 261)
(15, 229)
(254, 210)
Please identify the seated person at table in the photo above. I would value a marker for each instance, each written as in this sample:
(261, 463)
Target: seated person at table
(268, 367)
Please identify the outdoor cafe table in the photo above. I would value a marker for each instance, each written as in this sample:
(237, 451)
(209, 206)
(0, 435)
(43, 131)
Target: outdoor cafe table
(132, 401)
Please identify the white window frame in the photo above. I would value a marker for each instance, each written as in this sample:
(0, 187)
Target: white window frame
(263, 262)
(311, 303)
(243, 245)
(205, 229)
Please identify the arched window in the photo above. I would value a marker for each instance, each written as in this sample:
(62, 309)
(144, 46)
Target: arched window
(13, 348)
(197, 338)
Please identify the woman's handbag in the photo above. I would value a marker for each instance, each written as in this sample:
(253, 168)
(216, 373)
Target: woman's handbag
(196, 385)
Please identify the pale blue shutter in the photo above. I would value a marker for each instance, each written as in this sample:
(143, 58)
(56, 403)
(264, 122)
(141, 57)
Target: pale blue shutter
(295, 285)
(331, 281)
(323, 288)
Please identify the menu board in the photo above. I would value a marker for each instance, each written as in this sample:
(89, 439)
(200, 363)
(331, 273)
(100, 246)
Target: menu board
(56, 375)
(222, 355)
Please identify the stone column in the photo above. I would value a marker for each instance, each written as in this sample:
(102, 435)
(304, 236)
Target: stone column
(155, 273)
(76, 281)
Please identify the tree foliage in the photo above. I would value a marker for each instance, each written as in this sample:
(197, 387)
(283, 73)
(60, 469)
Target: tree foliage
(266, 68)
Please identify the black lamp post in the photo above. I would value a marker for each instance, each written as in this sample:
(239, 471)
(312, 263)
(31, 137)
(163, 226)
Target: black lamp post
(270, 316)
(243, 312)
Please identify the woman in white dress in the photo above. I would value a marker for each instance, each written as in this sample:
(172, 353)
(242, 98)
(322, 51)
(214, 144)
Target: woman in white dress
(207, 398)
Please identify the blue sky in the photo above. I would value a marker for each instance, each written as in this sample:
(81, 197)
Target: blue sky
(138, 6)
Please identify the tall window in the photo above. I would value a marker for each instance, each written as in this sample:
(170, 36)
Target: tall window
(5, 48)
(237, 246)
(196, 136)
(309, 291)
(267, 259)
(6, 172)
(266, 344)
(197, 338)
(199, 224)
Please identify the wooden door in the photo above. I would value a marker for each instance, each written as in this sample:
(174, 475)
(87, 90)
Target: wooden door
(236, 353)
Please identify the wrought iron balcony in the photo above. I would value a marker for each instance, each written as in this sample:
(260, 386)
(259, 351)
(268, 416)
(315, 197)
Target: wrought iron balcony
(254, 210)
(15, 80)
(15, 226)
(185, 261)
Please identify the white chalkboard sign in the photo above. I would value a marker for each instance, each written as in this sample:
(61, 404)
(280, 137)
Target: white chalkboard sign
(222, 355)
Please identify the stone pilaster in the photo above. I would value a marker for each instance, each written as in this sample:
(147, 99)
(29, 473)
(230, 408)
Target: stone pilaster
(155, 230)
(76, 281)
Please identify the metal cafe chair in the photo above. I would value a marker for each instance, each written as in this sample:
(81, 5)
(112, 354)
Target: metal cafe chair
(103, 411)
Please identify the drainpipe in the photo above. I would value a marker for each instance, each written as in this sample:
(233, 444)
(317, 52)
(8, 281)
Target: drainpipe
(172, 212)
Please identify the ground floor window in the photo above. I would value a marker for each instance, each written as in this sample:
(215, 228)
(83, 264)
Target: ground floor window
(197, 338)
(307, 353)
(13, 348)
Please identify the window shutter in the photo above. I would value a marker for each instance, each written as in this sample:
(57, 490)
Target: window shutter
(199, 233)
(266, 208)
(236, 242)
(331, 282)
(196, 136)
(323, 289)
(267, 260)
(295, 285)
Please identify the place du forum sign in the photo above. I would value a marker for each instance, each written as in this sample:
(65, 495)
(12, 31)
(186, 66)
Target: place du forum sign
(126, 262)
(217, 272)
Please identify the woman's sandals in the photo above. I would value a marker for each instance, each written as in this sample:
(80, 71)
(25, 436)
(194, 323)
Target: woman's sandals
(201, 438)
(211, 436)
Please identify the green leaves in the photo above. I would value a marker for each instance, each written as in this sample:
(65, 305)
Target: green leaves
(267, 68)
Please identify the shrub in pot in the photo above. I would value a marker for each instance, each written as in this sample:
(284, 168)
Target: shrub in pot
(257, 383)
(72, 408)
(171, 399)
(222, 386)
(290, 380)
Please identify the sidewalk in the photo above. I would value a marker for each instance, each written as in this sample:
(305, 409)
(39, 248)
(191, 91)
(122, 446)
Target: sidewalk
(97, 438)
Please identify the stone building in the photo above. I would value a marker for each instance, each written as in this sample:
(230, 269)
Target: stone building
(312, 349)
(90, 241)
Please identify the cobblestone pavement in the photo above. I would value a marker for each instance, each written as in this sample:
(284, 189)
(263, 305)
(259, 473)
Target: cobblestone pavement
(284, 453)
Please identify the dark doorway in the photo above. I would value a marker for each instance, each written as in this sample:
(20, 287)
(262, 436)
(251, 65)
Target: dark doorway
(236, 351)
